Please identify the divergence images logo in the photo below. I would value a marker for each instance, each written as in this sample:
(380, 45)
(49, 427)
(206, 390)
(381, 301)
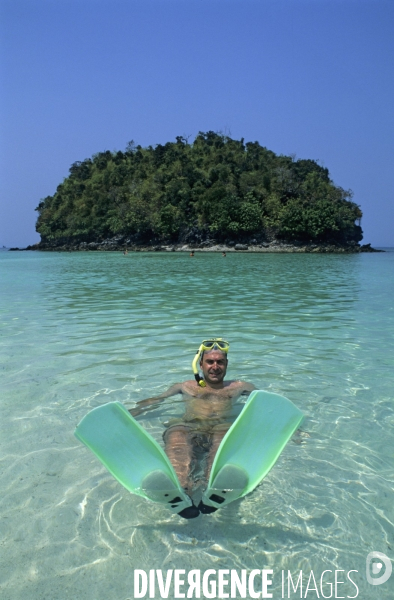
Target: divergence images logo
(375, 561)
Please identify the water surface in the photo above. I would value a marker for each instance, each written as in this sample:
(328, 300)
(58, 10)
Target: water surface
(82, 329)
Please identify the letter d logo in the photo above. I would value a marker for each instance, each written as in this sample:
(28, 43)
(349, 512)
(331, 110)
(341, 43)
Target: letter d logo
(373, 568)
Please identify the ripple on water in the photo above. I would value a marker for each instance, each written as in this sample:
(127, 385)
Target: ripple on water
(80, 330)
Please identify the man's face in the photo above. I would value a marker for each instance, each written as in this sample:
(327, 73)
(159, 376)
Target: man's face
(214, 366)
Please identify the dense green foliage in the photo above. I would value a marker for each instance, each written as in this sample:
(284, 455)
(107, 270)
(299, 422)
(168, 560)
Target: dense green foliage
(217, 185)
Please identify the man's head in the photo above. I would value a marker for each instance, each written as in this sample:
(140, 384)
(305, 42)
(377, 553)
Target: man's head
(214, 368)
(213, 364)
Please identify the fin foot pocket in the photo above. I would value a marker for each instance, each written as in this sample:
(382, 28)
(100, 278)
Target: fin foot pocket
(159, 487)
(218, 499)
(158, 484)
(228, 485)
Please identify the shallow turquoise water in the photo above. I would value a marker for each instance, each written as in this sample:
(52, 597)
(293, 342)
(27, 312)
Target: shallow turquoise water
(82, 329)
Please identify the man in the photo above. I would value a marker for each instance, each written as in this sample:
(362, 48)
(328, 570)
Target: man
(208, 410)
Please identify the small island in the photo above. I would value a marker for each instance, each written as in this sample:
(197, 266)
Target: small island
(215, 193)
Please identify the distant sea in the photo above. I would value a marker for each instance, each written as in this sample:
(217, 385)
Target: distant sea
(82, 329)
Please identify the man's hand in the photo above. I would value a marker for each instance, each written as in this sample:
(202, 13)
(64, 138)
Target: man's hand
(144, 406)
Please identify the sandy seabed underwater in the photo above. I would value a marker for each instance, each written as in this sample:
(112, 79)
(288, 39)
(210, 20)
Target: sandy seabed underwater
(82, 329)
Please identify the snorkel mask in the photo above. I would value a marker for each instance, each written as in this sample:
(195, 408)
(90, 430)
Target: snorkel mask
(206, 345)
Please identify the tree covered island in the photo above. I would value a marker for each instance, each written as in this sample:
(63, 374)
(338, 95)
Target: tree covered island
(215, 190)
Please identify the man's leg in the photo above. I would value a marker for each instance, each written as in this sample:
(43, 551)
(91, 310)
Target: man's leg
(179, 451)
(218, 434)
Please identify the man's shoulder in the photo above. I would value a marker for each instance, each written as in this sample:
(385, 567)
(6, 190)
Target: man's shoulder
(244, 385)
(189, 383)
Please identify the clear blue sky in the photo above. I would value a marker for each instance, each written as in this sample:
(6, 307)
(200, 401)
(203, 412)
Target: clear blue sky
(312, 78)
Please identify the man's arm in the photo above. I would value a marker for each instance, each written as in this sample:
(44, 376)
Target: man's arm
(144, 406)
(249, 387)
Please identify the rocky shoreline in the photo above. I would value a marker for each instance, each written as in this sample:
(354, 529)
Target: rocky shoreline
(119, 244)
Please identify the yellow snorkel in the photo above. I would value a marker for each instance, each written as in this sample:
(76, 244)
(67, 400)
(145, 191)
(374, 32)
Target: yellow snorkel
(206, 345)
(197, 375)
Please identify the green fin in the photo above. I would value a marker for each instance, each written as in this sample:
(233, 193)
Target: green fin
(131, 455)
(251, 447)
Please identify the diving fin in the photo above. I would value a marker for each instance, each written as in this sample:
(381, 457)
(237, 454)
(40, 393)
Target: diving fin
(250, 448)
(133, 457)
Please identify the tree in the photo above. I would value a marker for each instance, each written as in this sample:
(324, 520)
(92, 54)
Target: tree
(228, 188)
